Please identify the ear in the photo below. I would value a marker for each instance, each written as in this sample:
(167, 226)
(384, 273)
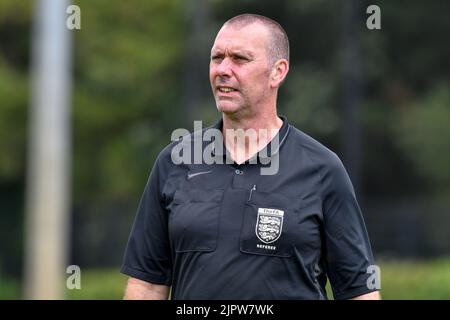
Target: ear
(279, 72)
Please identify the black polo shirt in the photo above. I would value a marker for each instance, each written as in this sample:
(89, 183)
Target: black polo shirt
(224, 231)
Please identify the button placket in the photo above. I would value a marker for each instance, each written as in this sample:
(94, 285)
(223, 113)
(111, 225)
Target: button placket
(238, 178)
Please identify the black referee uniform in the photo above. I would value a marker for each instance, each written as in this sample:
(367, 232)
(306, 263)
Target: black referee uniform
(224, 231)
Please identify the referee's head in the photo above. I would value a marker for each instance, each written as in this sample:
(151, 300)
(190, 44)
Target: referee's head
(249, 62)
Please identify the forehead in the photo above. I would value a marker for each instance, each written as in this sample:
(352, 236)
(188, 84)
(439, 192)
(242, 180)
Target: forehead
(253, 37)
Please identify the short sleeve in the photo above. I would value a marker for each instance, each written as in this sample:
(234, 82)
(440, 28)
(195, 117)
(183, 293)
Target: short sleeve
(347, 248)
(147, 255)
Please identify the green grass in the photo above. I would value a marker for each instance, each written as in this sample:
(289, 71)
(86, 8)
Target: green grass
(9, 289)
(416, 280)
(399, 280)
(99, 284)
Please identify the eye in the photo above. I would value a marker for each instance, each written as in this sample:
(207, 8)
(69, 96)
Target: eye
(216, 57)
(240, 59)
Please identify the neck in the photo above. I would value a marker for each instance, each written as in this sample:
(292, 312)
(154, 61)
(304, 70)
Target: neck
(265, 121)
(263, 116)
(244, 137)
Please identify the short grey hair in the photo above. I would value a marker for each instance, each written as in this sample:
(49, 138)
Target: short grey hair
(278, 47)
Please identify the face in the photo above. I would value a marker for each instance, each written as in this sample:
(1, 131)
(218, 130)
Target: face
(239, 69)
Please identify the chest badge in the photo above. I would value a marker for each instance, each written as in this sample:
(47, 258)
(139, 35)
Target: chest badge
(269, 224)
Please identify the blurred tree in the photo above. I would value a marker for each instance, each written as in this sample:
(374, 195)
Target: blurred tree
(15, 18)
(127, 63)
(196, 58)
(424, 136)
(131, 89)
(128, 70)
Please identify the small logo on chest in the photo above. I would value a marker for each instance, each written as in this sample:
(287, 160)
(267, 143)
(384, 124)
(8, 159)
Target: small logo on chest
(269, 224)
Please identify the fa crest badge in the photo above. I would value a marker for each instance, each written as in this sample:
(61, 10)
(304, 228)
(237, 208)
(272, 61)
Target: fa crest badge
(269, 224)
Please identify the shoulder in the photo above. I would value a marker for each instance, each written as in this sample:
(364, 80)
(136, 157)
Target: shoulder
(326, 163)
(181, 149)
(322, 157)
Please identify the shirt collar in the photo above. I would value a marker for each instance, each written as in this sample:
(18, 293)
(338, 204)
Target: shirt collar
(266, 152)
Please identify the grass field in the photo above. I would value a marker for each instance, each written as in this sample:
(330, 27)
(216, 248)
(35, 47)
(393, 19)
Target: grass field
(399, 280)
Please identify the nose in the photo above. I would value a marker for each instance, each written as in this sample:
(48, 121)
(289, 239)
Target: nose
(224, 67)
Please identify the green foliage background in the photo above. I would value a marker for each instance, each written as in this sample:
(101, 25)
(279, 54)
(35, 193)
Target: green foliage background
(140, 70)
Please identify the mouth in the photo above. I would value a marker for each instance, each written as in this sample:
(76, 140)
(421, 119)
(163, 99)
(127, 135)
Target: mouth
(224, 89)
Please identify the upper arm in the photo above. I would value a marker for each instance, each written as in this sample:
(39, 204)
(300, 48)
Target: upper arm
(348, 251)
(141, 290)
(148, 255)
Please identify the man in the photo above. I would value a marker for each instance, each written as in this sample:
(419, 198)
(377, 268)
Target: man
(225, 230)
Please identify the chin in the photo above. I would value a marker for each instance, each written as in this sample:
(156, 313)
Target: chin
(227, 107)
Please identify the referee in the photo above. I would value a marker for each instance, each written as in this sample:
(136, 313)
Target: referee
(227, 229)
